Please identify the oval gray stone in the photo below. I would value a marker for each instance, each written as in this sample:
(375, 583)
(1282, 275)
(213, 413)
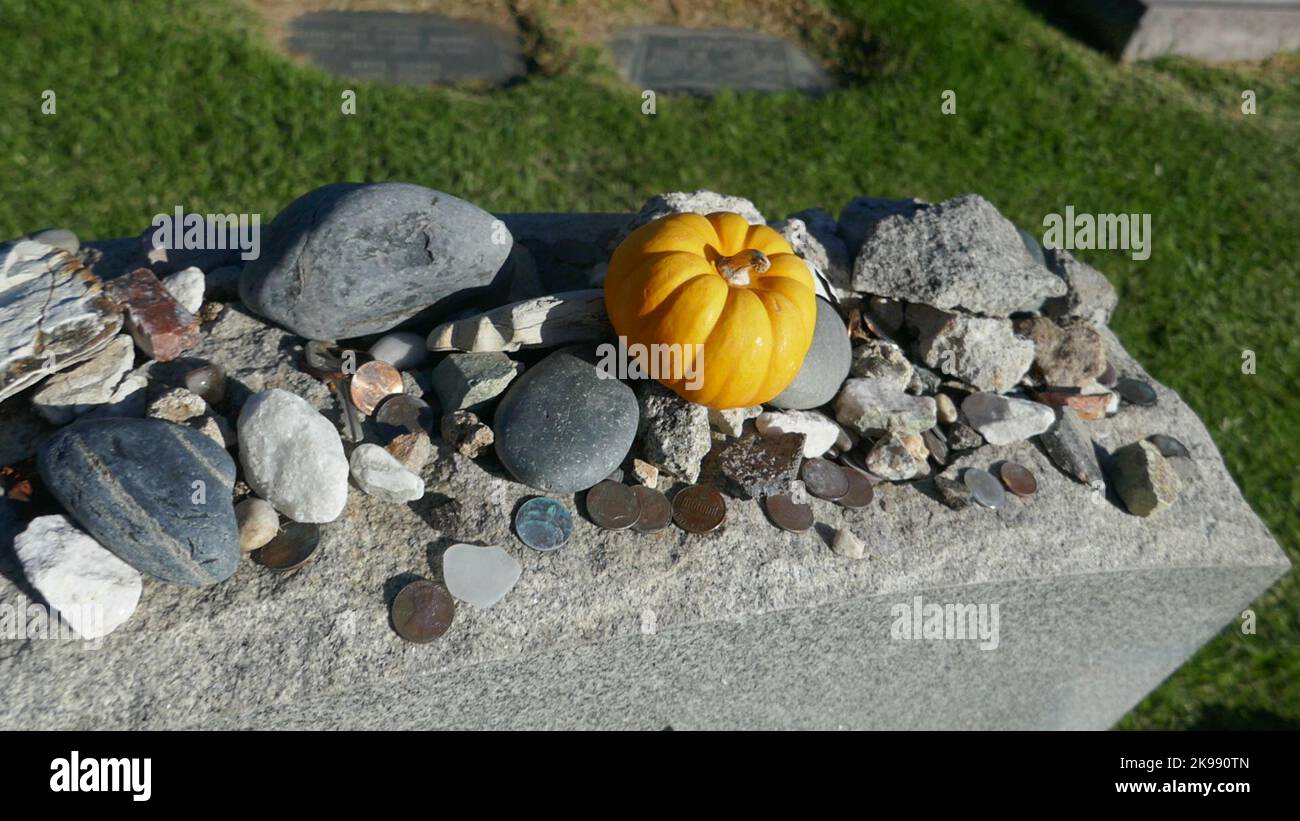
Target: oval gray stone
(351, 259)
(132, 484)
(825, 367)
(561, 427)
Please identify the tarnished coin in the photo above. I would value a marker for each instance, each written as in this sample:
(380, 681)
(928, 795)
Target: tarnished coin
(937, 445)
(1108, 377)
(1019, 479)
(543, 524)
(824, 479)
(861, 491)
(699, 509)
(291, 548)
(1168, 446)
(422, 611)
(1136, 391)
(612, 505)
(405, 413)
(984, 488)
(372, 383)
(788, 514)
(654, 510)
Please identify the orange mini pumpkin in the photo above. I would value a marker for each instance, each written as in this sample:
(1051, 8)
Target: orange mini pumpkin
(719, 288)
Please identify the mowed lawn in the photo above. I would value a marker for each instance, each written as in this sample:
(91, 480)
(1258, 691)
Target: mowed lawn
(167, 103)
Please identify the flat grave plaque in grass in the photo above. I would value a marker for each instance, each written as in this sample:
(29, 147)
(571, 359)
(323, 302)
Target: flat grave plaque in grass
(705, 61)
(406, 49)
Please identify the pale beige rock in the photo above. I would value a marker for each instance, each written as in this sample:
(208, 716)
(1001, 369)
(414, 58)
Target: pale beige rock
(258, 523)
(848, 545)
(547, 321)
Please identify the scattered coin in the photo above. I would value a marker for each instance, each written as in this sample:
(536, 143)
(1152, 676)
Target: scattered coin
(654, 509)
(612, 505)
(322, 360)
(824, 479)
(934, 442)
(291, 548)
(984, 488)
(405, 414)
(1168, 446)
(1136, 391)
(861, 491)
(543, 524)
(788, 514)
(422, 611)
(1018, 479)
(699, 509)
(1108, 377)
(372, 382)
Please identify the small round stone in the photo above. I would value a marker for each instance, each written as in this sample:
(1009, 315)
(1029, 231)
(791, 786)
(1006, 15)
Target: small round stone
(612, 505)
(1169, 447)
(861, 491)
(1136, 391)
(699, 509)
(422, 611)
(788, 514)
(945, 408)
(207, 381)
(258, 523)
(1018, 479)
(401, 349)
(654, 511)
(291, 549)
(984, 488)
(372, 383)
(824, 479)
(543, 524)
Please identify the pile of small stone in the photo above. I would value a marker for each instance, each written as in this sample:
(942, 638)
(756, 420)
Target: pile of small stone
(161, 462)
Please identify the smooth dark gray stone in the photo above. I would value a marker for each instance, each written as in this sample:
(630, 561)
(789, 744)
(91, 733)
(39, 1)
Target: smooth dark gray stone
(131, 483)
(704, 61)
(407, 49)
(825, 367)
(350, 259)
(561, 427)
(1069, 445)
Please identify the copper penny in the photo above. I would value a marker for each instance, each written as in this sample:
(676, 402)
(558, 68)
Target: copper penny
(373, 382)
(612, 505)
(788, 514)
(422, 611)
(861, 491)
(699, 509)
(824, 479)
(291, 548)
(653, 508)
(1018, 479)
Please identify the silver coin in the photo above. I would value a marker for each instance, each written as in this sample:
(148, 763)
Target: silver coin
(984, 487)
(543, 524)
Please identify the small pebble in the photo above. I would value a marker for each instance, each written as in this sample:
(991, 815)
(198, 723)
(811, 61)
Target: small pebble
(848, 545)
(466, 433)
(401, 349)
(413, 450)
(207, 381)
(378, 473)
(258, 523)
(480, 576)
(945, 408)
(645, 473)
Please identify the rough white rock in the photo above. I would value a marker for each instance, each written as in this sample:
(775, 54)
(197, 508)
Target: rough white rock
(982, 352)
(879, 359)
(292, 456)
(69, 394)
(55, 314)
(848, 545)
(821, 433)
(258, 523)
(401, 349)
(693, 202)
(897, 456)
(1002, 420)
(186, 286)
(94, 591)
(379, 474)
(480, 576)
(177, 405)
(732, 421)
(867, 405)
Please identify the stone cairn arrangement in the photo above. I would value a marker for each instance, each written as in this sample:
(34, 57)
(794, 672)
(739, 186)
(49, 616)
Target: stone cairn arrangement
(169, 413)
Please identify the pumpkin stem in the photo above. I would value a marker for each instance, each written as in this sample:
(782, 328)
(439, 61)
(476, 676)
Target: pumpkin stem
(735, 268)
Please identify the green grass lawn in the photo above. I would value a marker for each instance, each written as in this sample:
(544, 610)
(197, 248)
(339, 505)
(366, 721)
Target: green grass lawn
(166, 103)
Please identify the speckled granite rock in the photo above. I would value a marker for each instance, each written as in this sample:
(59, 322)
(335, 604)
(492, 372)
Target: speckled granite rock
(627, 630)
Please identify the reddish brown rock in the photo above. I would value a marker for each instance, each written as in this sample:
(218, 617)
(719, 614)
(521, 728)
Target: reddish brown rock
(1089, 406)
(156, 321)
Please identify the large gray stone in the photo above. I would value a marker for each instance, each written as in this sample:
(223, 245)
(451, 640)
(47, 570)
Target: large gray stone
(824, 366)
(349, 259)
(746, 627)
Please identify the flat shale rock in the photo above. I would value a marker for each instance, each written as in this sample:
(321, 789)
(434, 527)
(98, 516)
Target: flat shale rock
(55, 314)
(959, 254)
(67, 395)
(349, 260)
(156, 494)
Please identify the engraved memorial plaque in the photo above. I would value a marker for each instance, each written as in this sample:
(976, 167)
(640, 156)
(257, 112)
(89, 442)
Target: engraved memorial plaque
(705, 61)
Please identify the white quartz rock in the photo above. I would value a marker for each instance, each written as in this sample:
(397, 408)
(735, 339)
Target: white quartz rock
(292, 456)
(1003, 419)
(819, 430)
(379, 474)
(401, 349)
(94, 590)
(481, 576)
(67, 395)
(186, 286)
